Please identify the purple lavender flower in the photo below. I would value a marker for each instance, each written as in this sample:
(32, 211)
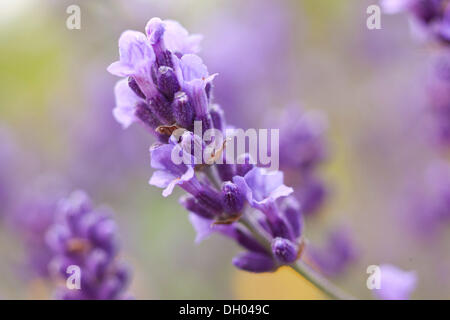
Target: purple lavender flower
(334, 258)
(86, 238)
(430, 17)
(395, 283)
(248, 204)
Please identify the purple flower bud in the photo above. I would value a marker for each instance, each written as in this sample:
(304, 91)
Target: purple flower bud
(244, 165)
(86, 239)
(102, 233)
(191, 204)
(167, 82)
(254, 262)
(135, 87)
(97, 263)
(232, 198)
(161, 108)
(284, 250)
(183, 110)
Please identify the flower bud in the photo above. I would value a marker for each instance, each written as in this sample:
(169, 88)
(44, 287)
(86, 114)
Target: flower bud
(183, 110)
(284, 250)
(254, 262)
(167, 82)
(161, 108)
(191, 204)
(232, 198)
(145, 115)
(210, 198)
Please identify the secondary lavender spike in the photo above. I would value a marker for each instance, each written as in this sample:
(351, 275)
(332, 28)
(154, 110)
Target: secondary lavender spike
(84, 239)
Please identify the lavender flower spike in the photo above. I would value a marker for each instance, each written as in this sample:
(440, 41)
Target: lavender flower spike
(85, 238)
(243, 202)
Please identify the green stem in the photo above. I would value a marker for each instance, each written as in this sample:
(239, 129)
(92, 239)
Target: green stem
(320, 282)
(301, 268)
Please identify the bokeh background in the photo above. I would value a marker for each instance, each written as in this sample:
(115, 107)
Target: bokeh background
(55, 111)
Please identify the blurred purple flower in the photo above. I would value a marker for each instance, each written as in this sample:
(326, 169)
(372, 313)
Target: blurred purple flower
(395, 283)
(428, 207)
(302, 150)
(103, 154)
(430, 17)
(85, 237)
(337, 254)
(251, 55)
